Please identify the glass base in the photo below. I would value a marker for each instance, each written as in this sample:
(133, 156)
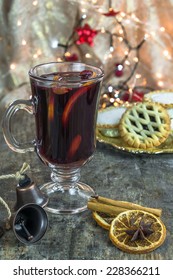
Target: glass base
(67, 200)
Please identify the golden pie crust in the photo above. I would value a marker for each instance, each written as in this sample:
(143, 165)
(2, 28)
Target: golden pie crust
(145, 125)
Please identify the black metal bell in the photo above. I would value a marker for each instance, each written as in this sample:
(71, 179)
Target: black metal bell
(27, 192)
(29, 223)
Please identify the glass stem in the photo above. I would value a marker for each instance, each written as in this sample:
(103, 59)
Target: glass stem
(66, 177)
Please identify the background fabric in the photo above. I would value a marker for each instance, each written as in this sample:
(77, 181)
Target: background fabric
(30, 32)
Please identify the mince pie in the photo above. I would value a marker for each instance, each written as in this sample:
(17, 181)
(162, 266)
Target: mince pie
(145, 125)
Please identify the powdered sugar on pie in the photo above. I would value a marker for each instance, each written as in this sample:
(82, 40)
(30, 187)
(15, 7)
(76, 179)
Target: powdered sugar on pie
(165, 98)
(110, 117)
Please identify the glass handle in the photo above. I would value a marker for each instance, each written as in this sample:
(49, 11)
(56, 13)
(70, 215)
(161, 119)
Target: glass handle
(26, 105)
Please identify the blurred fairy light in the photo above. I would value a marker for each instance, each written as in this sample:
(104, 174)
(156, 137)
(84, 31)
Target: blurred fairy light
(67, 54)
(35, 55)
(135, 59)
(111, 48)
(54, 43)
(119, 17)
(127, 21)
(35, 3)
(158, 75)
(127, 62)
(39, 52)
(23, 42)
(120, 67)
(84, 15)
(59, 59)
(88, 55)
(100, 10)
(133, 16)
(146, 36)
(12, 66)
(162, 29)
(160, 83)
(138, 76)
(153, 33)
(110, 88)
(102, 30)
(167, 54)
(83, 10)
(122, 14)
(19, 23)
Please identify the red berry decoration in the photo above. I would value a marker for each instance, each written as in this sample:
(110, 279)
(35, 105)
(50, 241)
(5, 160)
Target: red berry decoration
(71, 57)
(119, 70)
(111, 13)
(86, 35)
(135, 96)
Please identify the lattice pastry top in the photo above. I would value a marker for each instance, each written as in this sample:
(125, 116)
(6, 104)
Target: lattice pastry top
(145, 125)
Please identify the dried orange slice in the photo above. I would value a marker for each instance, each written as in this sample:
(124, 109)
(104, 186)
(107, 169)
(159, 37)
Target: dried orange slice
(102, 219)
(137, 231)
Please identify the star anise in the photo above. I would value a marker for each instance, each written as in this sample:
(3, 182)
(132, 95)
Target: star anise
(141, 231)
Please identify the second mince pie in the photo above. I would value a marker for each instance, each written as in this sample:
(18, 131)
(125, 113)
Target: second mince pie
(145, 125)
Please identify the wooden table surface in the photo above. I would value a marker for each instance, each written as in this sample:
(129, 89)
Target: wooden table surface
(143, 179)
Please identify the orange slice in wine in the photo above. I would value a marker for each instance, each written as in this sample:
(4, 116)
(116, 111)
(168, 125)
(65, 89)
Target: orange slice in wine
(71, 102)
(51, 107)
(74, 146)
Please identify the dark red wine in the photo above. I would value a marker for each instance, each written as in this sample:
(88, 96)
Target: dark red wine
(65, 120)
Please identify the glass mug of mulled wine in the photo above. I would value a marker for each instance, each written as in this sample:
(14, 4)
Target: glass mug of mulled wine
(65, 98)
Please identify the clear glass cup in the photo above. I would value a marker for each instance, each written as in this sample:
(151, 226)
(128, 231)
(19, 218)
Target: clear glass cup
(65, 97)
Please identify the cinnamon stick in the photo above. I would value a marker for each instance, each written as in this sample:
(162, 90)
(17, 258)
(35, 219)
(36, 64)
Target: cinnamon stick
(120, 206)
(104, 208)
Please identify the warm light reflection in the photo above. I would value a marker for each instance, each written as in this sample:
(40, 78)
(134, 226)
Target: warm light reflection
(35, 3)
(160, 83)
(135, 59)
(138, 76)
(12, 66)
(158, 75)
(162, 29)
(23, 42)
(88, 55)
(127, 62)
(19, 23)
(59, 59)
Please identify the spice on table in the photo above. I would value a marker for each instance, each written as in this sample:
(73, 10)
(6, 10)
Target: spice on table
(140, 231)
(132, 228)
(114, 207)
(145, 234)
